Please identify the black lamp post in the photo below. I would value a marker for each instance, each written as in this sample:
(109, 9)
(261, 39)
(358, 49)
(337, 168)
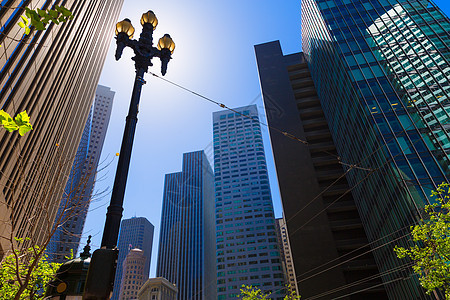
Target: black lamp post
(144, 52)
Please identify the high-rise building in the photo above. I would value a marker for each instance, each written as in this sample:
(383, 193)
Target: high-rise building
(134, 233)
(186, 242)
(77, 196)
(330, 249)
(381, 69)
(133, 277)
(158, 288)
(246, 240)
(286, 254)
(52, 74)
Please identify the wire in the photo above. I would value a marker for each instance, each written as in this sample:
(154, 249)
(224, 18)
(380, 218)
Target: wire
(351, 167)
(285, 133)
(353, 251)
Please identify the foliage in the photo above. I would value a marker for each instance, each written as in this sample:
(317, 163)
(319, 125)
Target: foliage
(253, 293)
(25, 274)
(21, 122)
(431, 250)
(40, 18)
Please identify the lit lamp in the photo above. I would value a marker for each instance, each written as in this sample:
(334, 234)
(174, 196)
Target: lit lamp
(99, 285)
(166, 46)
(149, 18)
(124, 32)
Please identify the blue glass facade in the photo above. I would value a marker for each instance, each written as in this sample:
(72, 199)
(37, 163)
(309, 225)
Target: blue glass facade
(186, 242)
(59, 246)
(78, 191)
(246, 241)
(381, 68)
(134, 233)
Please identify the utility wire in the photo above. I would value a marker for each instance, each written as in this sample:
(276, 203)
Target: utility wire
(293, 137)
(357, 249)
(285, 133)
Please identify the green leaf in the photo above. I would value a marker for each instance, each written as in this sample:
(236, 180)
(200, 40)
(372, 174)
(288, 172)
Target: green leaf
(53, 13)
(22, 118)
(28, 12)
(64, 11)
(39, 26)
(24, 129)
(7, 122)
(41, 12)
(25, 20)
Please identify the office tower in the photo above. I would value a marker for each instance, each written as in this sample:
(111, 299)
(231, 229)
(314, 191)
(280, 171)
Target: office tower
(78, 191)
(381, 69)
(286, 254)
(322, 221)
(52, 74)
(133, 277)
(158, 289)
(186, 242)
(247, 247)
(134, 233)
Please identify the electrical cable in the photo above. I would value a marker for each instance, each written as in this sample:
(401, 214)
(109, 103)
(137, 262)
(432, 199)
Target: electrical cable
(285, 133)
(351, 166)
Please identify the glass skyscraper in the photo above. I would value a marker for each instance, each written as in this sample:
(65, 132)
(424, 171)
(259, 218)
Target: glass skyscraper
(134, 233)
(78, 195)
(246, 240)
(381, 69)
(186, 242)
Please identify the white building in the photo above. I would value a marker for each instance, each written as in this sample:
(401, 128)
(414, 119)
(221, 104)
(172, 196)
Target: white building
(158, 289)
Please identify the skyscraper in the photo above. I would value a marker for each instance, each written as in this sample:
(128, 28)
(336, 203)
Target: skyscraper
(186, 243)
(79, 187)
(52, 74)
(330, 249)
(134, 233)
(286, 254)
(133, 277)
(381, 69)
(246, 240)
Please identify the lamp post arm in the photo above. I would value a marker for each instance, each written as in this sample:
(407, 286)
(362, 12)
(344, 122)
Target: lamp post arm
(115, 209)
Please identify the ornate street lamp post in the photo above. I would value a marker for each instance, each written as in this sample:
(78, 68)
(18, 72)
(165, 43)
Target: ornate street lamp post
(144, 51)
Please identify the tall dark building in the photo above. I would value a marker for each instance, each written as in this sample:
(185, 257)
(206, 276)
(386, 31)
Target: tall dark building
(323, 223)
(381, 69)
(247, 246)
(52, 74)
(186, 255)
(135, 233)
(77, 196)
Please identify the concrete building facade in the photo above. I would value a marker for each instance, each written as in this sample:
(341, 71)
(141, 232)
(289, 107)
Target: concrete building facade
(158, 288)
(321, 215)
(133, 277)
(286, 254)
(52, 74)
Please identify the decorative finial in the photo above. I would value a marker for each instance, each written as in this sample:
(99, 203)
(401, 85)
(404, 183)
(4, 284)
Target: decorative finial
(87, 248)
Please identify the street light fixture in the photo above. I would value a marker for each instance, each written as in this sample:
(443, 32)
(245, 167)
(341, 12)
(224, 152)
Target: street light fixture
(143, 54)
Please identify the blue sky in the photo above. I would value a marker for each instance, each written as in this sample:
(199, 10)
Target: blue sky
(214, 56)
